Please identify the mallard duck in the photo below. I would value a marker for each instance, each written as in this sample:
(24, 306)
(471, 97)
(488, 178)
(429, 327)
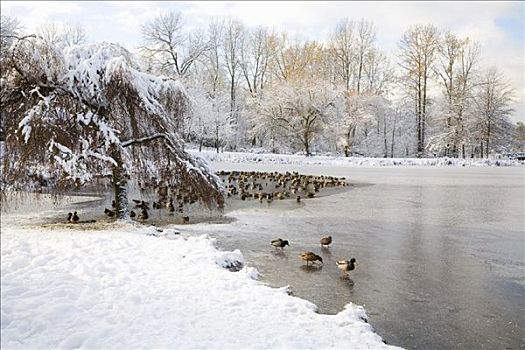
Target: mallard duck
(132, 214)
(326, 241)
(345, 266)
(279, 243)
(75, 218)
(310, 256)
(110, 213)
(69, 216)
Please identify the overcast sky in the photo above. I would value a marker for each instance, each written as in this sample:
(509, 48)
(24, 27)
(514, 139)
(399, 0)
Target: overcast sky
(499, 26)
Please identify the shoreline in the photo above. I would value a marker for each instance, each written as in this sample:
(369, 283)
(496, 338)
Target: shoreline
(271, 158)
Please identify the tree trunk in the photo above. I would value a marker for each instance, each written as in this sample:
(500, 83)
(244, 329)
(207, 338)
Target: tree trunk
(488, 140)
(217, 138)
(418, 119)
(120, 185)
(424, 113)
(306, 144)
(481, 148)
(393, 139)
(384, 136)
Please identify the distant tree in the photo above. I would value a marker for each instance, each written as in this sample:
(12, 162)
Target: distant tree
(232, 48)
(172, 50)
(353, 118)
(9, 31)
(418, 51)
(493, 109)
(343, 49)
(74, 34)
(212, 125)
(88, 111)
(352, 48)
(256, 54)
(457, 60)
(520, 137)
(365, 38)
(62, 34)
(295, 61)
(50, 32)
(302, 111)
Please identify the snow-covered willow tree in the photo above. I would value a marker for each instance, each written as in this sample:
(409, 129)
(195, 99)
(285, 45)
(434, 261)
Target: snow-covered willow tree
(85, 112)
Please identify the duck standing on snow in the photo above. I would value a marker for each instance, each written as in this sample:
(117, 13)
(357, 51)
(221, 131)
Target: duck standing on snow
(326, 241)
(69, 216)
(310, 256)
(346, 266)
(279, 243)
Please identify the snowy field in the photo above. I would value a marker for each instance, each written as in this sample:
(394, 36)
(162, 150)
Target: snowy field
(248, 157)
(129, 287)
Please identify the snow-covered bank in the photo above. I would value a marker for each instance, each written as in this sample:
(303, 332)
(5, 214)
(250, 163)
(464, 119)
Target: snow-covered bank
(136, 288)
(241, 157)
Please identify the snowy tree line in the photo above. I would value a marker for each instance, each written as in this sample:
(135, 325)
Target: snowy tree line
(258, 88)
(254, 87)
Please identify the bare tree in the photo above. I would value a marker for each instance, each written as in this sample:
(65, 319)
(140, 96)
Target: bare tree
(419, 48)
(457, 61)
(166, 44)
(351, 45)
(74, 34)
(493, 100)
(343, 48)
(378, 72)
(364, 44)
(232, 48)
(9, 31)
(50, 32)
(255, 57)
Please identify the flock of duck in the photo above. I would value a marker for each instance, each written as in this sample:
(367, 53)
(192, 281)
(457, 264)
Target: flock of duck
(245, 185)
(269, 186)
(344, 265)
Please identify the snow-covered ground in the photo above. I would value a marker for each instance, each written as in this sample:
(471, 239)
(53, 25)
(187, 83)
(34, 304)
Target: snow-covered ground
(128, 287)
(248, 157)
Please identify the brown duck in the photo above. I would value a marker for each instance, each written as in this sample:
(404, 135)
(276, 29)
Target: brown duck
(310, 256)
(326, 241)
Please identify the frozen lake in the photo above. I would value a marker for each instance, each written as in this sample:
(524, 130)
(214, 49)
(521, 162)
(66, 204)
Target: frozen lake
(440, 250)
